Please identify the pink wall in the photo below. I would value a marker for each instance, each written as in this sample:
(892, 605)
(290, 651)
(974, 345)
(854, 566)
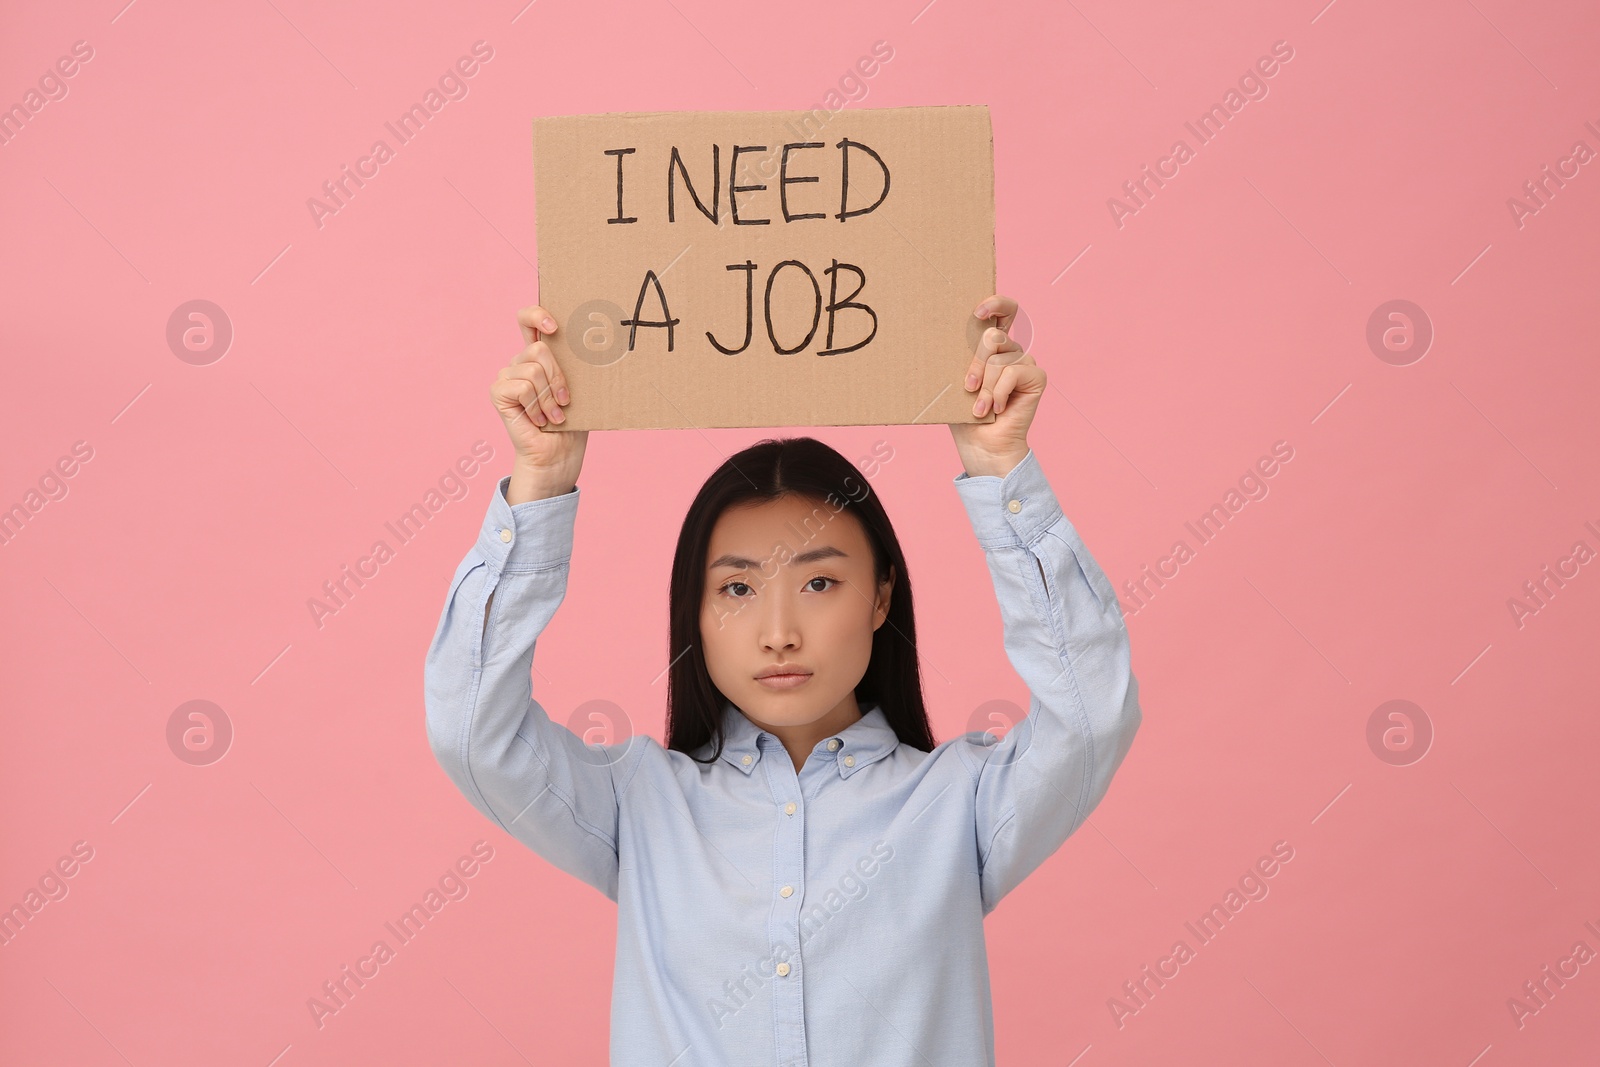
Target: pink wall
(1228, 313)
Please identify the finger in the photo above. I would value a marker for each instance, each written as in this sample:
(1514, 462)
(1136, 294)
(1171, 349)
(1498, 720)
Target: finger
(539, 352)
(988, 341)
(1018, 377)
(517, 395)
(543, 396)
(532, 353)
(998, 307)
(534, 320)
(991, 341)
(1007, 355)
(528, 396)
(548, 401)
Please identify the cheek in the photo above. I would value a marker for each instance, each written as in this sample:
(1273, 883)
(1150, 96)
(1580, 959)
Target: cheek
(709, 631)
(717, 629)
(847, 624)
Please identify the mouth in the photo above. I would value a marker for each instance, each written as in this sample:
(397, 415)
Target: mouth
(784, 677)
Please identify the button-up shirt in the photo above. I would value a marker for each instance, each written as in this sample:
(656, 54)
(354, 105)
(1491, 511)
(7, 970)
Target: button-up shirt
(827, 917)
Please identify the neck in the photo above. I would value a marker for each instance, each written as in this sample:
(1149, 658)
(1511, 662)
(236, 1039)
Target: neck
(799, 739)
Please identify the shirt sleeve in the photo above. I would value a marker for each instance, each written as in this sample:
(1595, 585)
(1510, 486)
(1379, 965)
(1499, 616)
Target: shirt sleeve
(1064, 634)
(535, 778)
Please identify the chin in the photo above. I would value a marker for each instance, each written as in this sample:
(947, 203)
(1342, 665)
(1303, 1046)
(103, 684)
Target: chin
(787, 709)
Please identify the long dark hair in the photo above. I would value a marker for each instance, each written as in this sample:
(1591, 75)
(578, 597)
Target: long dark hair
(764, 472)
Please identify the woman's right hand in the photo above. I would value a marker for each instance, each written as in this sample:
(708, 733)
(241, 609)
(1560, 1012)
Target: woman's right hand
(530, 394)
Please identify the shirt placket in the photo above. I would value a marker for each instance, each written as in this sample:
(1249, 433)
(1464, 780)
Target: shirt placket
(783, 926)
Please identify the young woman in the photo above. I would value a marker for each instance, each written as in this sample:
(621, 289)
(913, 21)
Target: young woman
(801, 874)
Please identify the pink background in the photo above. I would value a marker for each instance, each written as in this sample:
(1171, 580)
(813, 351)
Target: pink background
(1229, 313)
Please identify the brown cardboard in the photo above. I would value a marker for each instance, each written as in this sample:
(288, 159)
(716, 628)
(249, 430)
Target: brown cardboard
(926, 250)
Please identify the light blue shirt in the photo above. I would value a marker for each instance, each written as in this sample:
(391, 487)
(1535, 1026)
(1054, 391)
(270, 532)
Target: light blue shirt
(830, 918)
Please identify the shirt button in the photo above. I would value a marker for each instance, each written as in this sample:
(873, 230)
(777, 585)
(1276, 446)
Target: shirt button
(745, 760)
(783, 970)
(832, 745)
(788, 809)
(1015, 506)
(505, 535)
(849, 761)
(786, 891)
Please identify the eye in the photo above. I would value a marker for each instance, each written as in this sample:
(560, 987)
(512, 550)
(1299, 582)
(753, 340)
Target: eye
(727, 587)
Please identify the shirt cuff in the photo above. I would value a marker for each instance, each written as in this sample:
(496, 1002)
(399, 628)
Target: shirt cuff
(1014, 510)
(529, 536)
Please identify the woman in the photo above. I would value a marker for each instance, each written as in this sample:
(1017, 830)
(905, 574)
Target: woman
(801, 874)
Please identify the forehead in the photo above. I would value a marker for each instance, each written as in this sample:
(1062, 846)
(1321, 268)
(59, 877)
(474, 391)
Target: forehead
(755, 531)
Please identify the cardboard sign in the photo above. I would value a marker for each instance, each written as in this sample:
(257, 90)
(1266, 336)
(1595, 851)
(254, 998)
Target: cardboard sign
(766, 268)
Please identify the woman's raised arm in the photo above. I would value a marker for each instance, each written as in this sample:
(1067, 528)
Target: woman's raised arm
(1065, 636)
(1062, 624)
(532, 776)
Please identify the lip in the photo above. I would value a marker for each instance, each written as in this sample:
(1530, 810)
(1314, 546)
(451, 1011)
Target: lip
(782, 668)
(783, 681)
(783, 676)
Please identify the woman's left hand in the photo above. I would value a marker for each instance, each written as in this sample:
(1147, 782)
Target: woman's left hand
(1006, 377)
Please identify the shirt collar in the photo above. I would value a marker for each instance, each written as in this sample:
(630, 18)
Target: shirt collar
(863, 742)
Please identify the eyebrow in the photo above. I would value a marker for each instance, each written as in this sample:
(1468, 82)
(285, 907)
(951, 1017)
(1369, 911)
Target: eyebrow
(728, 560)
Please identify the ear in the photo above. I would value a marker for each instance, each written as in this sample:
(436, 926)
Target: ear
(885, 591)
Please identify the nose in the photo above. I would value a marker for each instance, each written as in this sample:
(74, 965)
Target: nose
(780, 629)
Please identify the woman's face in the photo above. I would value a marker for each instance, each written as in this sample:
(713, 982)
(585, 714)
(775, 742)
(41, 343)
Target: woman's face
(790, 583)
